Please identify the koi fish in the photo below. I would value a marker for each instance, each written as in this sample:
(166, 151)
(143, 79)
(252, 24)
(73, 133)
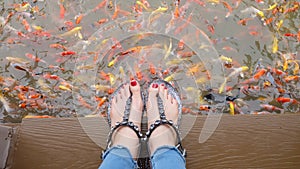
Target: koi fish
(181, 54)
(20, 67)
(67, 53)
(101, 101)
(296, 66)
(50, 76)
(271, 108)
(168, 51)
(204, 108)
(34, 58)
(100, 5)
(103, 88)
(180, 45)
(57, 46)
(291, 78)
(244, 21)
(286, 100)
(26, 25)
(256, 76)
(158, 10)
(17, 60)
(228, 7)
(5, 104)
(78, 18)
(233, 73)
(231, 108)
(142, 5)
(275, 45)
(169, 78)
(83, 102)
(152, 69)
(184, 25)
(62, 11)
(73, 31)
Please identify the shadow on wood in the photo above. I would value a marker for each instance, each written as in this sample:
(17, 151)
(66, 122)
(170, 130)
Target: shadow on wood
(242, 141)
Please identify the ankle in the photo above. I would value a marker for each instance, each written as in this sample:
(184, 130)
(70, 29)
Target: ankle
(163, 135)
(126, 137)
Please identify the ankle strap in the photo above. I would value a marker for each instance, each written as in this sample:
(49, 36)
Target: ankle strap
(118, 125)
(164, 121)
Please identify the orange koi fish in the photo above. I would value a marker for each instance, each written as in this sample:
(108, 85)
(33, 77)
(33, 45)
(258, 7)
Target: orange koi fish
(100, 100)
(255, 77)
(204, 108)
(271, 107)
(244, 21)
(152, 69)
(67, 53)
(185, 54)
(100, 5)
(26, 25)
(57, 46)
(50, 76)
(84, 103)
(34, 58)
(291, 78)
(78, 18)
(62, 11)
(180, 45)
(228, 7)
(180, 28)
(286, 100)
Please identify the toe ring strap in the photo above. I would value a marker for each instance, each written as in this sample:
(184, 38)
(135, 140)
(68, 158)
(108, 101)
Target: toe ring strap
(170, 123)
(118, 125)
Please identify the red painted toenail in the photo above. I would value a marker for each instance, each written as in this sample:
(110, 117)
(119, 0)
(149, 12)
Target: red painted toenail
(162, 84)
(133, 83)
(154, 85)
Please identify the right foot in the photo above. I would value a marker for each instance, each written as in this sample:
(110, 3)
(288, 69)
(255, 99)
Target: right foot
(163, 134)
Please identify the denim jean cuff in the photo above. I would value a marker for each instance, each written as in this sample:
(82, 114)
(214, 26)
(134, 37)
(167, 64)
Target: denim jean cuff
(122, 152)
(166, 148)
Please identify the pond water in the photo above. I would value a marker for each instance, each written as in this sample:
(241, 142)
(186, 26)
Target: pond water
(64, 58)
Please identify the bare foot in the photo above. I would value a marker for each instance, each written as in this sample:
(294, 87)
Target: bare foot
(164, 134)
(125, 136)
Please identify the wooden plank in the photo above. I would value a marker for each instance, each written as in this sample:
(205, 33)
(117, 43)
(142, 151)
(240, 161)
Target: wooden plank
(5, 137)
(242, 141)
(247, 141)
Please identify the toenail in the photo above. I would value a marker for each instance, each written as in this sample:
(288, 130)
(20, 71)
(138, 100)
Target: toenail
(166, 87)
(162, 84)
(154, 85)
(133, 83)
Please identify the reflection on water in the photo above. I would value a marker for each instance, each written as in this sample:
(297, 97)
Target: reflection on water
(64, 59)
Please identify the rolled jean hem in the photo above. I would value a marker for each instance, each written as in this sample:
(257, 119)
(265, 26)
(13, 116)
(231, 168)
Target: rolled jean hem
(121, 152)
(164, 151)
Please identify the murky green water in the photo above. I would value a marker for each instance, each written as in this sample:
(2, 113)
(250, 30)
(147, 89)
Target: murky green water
(125, 39)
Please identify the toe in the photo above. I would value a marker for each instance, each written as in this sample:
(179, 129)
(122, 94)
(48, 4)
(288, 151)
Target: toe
(126, 90)
(153, 90)
(134, 88)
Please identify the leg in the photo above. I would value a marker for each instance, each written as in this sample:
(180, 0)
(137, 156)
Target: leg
(162, 141)
(125, 145)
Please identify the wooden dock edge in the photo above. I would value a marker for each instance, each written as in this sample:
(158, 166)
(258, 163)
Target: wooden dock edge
(241, 141)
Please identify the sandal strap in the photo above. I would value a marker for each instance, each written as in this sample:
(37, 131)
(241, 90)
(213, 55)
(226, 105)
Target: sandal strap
(124, 122)
(127, 123)
(164, 121)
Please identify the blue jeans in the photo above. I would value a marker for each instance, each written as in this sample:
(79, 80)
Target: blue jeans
(165, 157)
